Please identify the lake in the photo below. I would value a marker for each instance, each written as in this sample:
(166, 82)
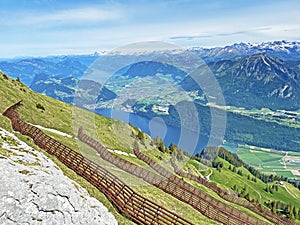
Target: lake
(189, 141)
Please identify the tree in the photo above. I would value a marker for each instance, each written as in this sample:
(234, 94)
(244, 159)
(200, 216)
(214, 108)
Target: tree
(247, 196)
(141, 137)
(267, 188)
(275, 187)
(234, 187)
(39, 106)
(172, 148)
(292, 212)
(161, 146)
(274, 209)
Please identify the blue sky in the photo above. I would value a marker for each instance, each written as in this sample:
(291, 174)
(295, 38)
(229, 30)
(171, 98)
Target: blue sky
(51, 27)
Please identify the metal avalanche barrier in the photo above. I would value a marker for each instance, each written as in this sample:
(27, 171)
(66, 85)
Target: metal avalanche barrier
(141, 210)
(173, 185)
(221, 192)
(268, 214)
(129, 202)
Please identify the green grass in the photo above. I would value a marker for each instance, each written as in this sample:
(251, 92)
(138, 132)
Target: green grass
(112, 133)
(197, 165)
(194, 166)
(268, 161)
(226, 178)
(173, 204)
(256, 157)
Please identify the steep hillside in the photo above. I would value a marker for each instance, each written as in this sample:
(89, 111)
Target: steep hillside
(57, 117)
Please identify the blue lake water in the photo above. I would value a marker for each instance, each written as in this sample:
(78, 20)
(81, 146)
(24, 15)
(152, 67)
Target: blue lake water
(187, 140)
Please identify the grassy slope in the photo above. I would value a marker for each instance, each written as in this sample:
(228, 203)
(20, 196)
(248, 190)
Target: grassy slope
(114, 134)
(227, 179)
(117, 135)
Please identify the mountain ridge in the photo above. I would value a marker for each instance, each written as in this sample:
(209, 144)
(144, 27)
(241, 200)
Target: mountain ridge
(255, 77)
(285, 50)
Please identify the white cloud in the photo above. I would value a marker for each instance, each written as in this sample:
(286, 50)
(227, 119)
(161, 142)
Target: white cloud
(85, 15)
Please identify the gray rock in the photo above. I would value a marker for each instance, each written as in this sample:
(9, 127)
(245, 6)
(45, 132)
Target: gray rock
(34, 191)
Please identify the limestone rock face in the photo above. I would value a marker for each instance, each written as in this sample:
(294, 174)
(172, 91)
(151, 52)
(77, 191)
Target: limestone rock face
(35, 191)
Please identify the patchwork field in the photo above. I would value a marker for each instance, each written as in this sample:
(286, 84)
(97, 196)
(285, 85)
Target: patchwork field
(270, 161)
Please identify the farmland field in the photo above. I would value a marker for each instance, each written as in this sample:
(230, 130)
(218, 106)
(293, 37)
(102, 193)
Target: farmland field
(270, 161)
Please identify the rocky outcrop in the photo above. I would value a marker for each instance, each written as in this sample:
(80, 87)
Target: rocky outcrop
(35, 191)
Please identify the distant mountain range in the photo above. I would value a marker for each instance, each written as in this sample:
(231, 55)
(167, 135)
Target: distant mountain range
(255, 81)
(287, 51)
(27, 69)
(250, 75)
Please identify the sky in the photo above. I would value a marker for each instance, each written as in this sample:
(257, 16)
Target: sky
(57, 27)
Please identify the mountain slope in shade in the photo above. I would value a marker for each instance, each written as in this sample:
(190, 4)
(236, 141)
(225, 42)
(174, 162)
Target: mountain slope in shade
(152, 68)
(67, 66)
(64, 89)
(255, 81)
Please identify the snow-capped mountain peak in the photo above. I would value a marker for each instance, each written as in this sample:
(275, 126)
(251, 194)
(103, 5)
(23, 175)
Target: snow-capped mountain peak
(285, 50)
